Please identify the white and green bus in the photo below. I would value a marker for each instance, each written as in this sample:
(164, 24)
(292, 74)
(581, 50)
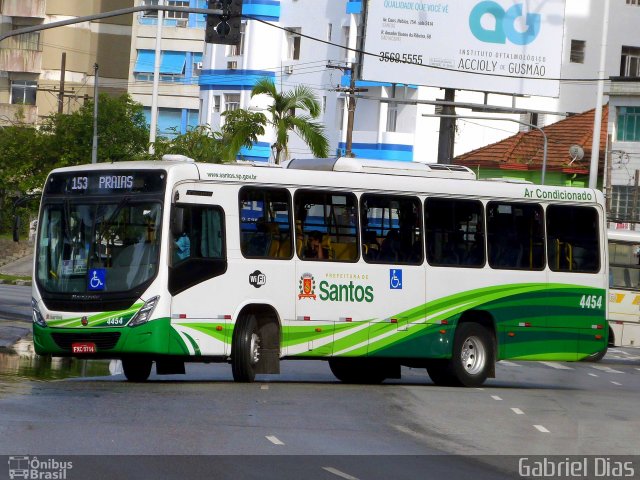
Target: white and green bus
(369, 265)
(624, 288)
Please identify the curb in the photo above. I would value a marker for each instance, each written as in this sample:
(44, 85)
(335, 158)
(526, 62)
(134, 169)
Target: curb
(23, 283)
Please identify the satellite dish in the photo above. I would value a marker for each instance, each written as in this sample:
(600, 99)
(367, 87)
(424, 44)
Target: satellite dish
(576, 152)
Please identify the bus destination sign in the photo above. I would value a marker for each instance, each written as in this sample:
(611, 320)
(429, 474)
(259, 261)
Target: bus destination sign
(106, 183)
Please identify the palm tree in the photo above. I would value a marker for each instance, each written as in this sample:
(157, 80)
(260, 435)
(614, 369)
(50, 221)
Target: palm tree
(284, 118)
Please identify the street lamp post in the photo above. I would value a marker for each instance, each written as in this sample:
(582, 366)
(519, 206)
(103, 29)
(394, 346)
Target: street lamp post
(478, 117)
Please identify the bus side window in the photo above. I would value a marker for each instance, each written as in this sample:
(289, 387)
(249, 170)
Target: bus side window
(572, 239)
(265, 223)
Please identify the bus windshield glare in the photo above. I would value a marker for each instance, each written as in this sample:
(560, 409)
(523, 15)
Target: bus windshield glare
(107, 246)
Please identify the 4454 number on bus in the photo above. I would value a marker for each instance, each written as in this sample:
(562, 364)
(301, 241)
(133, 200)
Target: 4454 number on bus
(591, 301)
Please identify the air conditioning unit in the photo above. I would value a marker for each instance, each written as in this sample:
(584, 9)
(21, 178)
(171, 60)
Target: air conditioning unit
(182, 22)
(232, 65)
(198, 65)
(288, 69)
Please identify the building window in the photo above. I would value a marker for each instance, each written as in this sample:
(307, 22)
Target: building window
(341, 105)
(628, 127)
(392, 117)
(236, 50)
(150, 13)
(177, 3)
(346, 32)
(329, 31)
(630, 62)
(232, 102)
(23, 92)
(633, 2)
(622, 206)
(577, 51)
(216, 104)
(293, 43)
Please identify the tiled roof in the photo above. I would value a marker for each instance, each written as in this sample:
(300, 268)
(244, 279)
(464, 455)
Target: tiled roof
(524, 151)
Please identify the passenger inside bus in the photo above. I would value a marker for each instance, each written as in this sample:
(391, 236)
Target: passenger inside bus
(314, 247)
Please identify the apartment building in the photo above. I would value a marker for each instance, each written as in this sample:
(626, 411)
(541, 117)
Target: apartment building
(32, 68)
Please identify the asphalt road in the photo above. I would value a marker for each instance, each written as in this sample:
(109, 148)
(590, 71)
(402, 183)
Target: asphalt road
(320, 428)
(304, 423)
(15, 303)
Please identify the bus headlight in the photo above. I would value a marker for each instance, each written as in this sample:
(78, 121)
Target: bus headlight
(144, 314)
(38, 319)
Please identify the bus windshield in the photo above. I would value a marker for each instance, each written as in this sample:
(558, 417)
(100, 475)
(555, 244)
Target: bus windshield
(107, 246)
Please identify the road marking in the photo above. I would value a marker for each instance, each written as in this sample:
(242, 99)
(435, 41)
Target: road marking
(517, 411)
(557, 366)
(606, 369)
(616, 383)
(273, 439)
(496, 397)
(481, 389)
(338, 473)
(264, 387)
(509, 364)
(593, 374)
(637, 368)
(540, 428)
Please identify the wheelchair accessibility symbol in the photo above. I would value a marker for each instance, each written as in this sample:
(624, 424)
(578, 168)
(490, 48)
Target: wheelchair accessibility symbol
(395, 279)
(97, 278)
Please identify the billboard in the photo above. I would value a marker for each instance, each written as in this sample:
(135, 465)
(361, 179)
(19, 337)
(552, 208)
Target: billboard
(505, 46)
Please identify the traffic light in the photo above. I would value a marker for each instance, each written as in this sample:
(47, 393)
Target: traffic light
(225, 28)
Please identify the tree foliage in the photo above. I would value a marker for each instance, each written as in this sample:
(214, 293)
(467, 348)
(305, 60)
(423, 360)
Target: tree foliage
(199, 143)
(284, 117)
(241, 129)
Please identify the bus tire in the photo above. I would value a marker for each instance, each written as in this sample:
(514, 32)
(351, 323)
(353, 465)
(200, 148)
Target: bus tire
(596, 357)
(473, 354)
(245, 350)
(357, 371)
(136, 369)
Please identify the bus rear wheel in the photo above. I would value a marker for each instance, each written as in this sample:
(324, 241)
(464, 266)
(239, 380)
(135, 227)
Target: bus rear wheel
(473, 354)
(136, 369)
(245, 350)
(357, 371)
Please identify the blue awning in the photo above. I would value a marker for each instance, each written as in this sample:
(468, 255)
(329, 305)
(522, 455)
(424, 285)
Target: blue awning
(173, 62)
(144, 62)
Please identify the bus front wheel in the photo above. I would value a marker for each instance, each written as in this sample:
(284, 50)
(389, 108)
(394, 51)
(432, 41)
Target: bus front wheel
(136, 369)
(473, 354)
(245, 350)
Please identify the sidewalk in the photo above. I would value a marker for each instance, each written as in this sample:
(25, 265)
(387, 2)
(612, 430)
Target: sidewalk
(12, 331)
(22, 267)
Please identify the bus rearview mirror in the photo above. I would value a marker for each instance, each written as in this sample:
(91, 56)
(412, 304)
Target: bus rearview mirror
(177, 221)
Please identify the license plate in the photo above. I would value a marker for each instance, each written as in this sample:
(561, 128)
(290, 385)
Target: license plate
(83, 347)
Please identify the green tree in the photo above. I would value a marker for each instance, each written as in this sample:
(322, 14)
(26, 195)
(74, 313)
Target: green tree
(284, 118)
(241, 129)
(199, 143)
(122, 132)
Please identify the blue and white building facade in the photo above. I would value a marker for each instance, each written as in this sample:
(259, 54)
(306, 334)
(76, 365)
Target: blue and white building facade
(269, 50)
(199, 82)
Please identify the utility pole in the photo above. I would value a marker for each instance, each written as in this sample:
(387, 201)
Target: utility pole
(156, 81)
(351, 90)
(597, 121)
(447, 135)
(94, 147)
(63, 66)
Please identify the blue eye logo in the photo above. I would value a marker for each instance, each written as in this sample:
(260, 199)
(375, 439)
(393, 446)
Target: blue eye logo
(505, 22)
